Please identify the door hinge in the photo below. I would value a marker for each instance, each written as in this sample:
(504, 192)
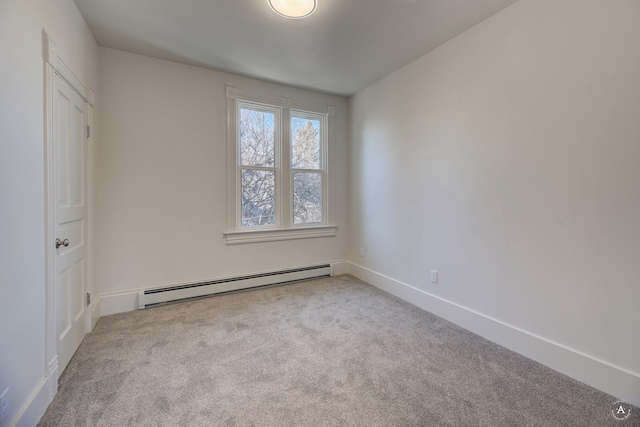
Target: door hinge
(88, 298)
(88, 131)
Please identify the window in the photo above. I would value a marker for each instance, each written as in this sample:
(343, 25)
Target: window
(307, 167)
(257, 163)
(278, 170)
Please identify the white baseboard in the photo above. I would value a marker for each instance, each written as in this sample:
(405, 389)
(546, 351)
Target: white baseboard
(619, 382)
(31, 412)
(96, 312)
(340, 267)
(118, 302)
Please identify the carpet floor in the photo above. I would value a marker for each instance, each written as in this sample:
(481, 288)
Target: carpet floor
(328, 352)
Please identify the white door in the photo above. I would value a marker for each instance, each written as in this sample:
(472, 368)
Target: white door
(70, 164)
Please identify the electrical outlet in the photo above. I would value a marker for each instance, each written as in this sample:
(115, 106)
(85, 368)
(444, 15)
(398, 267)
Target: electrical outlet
(4, 405)
(434, 276)
(361, 251)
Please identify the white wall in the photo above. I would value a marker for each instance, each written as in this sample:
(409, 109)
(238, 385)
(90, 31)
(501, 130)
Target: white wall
(22, 291)
(508, 160)
(161, 180)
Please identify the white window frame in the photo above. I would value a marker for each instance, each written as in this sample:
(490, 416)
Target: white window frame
(284, 227)
(323, 163)
(276, 168)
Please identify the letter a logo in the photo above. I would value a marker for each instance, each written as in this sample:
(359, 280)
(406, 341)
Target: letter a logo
(620, 410)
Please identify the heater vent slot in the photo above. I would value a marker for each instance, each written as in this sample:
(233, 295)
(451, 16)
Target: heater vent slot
(156, 296)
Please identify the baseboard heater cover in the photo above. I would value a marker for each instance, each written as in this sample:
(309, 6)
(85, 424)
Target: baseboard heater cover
(156, 296)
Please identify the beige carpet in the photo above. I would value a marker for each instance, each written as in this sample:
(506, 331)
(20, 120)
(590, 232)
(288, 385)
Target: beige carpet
(327, 352)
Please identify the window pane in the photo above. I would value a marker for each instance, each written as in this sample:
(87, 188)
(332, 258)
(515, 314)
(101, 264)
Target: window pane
(257, 138)
(307, 197)
(258, 197)
(305, 143)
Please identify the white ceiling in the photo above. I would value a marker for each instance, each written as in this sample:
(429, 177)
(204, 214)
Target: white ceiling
(343, 47)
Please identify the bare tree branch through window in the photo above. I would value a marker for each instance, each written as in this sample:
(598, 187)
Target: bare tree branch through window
(260, 170)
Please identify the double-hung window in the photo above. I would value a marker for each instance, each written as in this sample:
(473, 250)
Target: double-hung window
(257, 135)
(307, 134)
(279, 173)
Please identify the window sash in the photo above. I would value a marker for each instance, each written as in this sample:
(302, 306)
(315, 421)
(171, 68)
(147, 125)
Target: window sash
(258, 207)
(276, 168)
(321, 170)
(322, 143)
(322, 199)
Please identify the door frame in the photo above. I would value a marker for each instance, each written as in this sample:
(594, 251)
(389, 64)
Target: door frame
(54, 65)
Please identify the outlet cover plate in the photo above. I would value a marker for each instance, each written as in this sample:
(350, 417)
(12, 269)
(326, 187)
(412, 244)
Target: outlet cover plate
(434, 276)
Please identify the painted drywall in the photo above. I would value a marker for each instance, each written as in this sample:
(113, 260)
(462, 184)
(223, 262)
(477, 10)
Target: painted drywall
(161, 179)
(507, 160)
(22, 290)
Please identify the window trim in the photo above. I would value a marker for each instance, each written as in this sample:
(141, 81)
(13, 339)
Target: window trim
(284, 227)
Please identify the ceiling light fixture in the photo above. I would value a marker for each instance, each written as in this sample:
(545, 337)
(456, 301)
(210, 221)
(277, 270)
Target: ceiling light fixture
(293, 9)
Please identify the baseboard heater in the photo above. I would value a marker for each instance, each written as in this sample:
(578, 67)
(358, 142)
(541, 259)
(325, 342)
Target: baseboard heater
(168, 294)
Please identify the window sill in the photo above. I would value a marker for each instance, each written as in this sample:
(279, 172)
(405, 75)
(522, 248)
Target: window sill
(258, 236)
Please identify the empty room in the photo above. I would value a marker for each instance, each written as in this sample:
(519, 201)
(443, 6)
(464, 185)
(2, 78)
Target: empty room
(320, 213)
